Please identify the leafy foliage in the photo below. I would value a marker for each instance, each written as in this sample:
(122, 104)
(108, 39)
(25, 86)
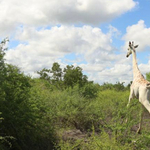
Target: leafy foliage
(20, 125)
(73, 75)
(118, 86)
(57, 72)
(148, 76)
(44, 74)
(70, 76)
(90, 90)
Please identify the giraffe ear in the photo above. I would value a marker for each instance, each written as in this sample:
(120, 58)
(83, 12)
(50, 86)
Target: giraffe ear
(136, 46)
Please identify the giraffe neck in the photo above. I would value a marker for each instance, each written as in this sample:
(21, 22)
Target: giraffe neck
(136, 71)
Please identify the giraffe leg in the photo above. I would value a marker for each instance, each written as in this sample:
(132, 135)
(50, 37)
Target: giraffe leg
(130, 97)
(146, 105)
(144, 98)
(141, 121)
(129, 101)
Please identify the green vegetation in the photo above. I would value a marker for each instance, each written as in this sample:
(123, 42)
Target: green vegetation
(62, 110)
(148, 76)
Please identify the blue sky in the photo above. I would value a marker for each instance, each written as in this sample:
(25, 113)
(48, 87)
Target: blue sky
(92, 34)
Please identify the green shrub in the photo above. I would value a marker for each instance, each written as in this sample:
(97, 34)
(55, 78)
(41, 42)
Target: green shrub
(90, 90)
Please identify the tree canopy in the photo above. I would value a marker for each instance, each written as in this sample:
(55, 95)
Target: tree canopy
(69, 77)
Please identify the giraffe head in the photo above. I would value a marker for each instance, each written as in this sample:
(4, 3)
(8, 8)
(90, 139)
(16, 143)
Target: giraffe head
(131, 48)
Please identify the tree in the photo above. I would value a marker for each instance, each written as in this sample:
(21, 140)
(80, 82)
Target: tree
(53, 75)
(2, 64)
(21, 124)
(44, 74)
(119, 86)
(15, 105)
(56, 72)
(73, 75)
(69, 77)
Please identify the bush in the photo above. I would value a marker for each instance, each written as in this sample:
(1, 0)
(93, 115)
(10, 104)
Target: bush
(23, 113)
(105, 116)
(90, 90)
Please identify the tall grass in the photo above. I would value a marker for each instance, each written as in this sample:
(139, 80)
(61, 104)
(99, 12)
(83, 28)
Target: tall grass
(105, 121)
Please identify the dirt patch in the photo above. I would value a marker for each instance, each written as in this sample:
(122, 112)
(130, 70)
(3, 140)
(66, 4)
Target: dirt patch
(73, 135)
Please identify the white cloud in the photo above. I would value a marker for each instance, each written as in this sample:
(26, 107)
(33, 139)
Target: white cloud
(39, 13)
(118, 70)
(47, 45)
(138, 33)
(46, 32)
(90, 45)
(145, 68)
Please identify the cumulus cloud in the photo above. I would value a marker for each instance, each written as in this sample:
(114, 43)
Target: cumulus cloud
(145, 68)
(49, 31)
(40, 48)
(138, 33)
(119, 70)
(39, 13)
(52, 44)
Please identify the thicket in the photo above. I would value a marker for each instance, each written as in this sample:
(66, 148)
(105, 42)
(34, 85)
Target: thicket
(23, 125)
(63, 110)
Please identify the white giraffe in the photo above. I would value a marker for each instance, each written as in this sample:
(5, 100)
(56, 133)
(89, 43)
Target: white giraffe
(140, 87)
